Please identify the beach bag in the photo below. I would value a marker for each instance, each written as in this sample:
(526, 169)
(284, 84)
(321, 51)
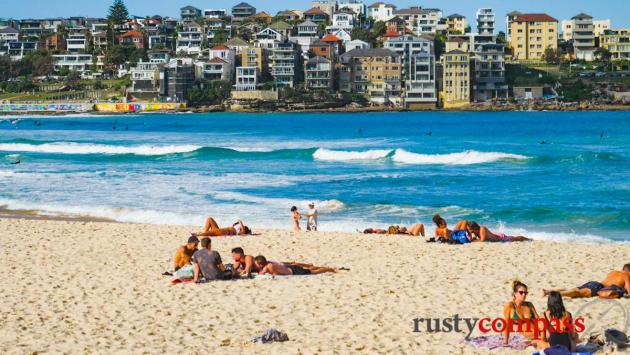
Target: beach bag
(460, 236)
(393, 230)
(187, 272)
(616, 337)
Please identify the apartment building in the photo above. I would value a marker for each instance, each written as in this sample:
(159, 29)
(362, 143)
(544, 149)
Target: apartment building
(418, 68)
(319, 74)
(456, 78)
(583, 37)
(617, 42)
(189, 13)
(286, 64)
(532, 34)
(72, 62)
(77, 40)
(420, 20)
(456, 24)
(374, 72)
(242, 11)
(380, 11)
(190, 38)
(246, 79)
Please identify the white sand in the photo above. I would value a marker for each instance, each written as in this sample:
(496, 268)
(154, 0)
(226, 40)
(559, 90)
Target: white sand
(87, 287)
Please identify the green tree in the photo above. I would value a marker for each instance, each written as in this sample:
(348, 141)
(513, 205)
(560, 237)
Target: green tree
(118, 13)
(363, 35)
(42, 64)
(379, 28)
(220, 37)
(501, 38)
(551, 56)
(439, 44)
(603, 54)
(6, 68)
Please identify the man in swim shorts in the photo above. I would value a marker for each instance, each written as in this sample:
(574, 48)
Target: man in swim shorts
(615, 285)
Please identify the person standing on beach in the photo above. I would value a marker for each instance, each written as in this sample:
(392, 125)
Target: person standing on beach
(184, 253)
(207, 263)
(295, 219)
(311, 224)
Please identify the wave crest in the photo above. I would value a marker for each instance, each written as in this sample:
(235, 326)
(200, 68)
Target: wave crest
(343, 155)
(90, 148)
(462, 158)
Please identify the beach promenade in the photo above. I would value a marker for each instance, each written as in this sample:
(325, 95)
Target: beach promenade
(94, 287)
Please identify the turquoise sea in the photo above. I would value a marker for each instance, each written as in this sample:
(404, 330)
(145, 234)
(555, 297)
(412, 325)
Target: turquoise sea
(361, 170)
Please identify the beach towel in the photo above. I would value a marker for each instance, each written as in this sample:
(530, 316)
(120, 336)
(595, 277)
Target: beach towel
(187, 272)
(269, 336)
(517, 342)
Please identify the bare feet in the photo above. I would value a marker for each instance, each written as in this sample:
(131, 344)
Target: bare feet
(544, 293)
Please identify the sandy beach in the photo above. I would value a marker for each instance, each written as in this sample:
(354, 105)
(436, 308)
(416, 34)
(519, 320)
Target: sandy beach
(95, 287)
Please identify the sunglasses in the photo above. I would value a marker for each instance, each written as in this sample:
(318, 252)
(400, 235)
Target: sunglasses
(523, 293)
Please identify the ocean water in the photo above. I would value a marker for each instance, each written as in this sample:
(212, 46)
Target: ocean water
(361, 170)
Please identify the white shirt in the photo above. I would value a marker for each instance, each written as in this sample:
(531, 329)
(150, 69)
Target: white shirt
(312, 217)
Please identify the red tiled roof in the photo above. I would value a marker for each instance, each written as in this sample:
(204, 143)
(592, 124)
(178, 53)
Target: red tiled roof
(132, 33)
(330, 38)
(535, 18)
(392, 34)
(216, 60)
(315, 11)
(220, 47)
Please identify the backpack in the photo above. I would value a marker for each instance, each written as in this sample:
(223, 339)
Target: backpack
(460, 236)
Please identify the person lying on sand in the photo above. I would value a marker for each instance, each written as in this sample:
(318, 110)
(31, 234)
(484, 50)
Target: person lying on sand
(207, 263)
(441, 230)
(483, 234)
(415, 230)
(277, 268)
(184, 253)
(243, 264)
(212, 229)
(615, 285)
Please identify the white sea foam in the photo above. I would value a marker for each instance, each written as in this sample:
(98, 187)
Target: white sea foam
(342, 155)
(557, 236)
(463, 158)
(89, 148)
(321, 205)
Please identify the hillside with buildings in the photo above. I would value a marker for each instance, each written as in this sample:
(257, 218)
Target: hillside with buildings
(335, 55)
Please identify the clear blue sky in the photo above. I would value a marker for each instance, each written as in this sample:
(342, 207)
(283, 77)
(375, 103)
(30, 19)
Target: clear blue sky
(617, 10)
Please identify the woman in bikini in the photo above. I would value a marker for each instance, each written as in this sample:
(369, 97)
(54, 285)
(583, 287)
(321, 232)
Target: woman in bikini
(211, 229)
(441, 230)
(519, 311)
(483, 234)
(415, 230)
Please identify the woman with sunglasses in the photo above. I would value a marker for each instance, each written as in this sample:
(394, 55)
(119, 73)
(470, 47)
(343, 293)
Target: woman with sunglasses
(519, 311)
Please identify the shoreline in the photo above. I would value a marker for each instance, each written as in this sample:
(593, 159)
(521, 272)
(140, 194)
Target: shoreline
(38, 215)
(369, 309)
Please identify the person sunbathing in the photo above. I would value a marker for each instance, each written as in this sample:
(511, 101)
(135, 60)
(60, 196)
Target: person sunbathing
(243, 264)
(415, 230)
(615, 285)
(441, 229)
(291, 268)
(520, 315)
(212, 229)
(483, 234)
